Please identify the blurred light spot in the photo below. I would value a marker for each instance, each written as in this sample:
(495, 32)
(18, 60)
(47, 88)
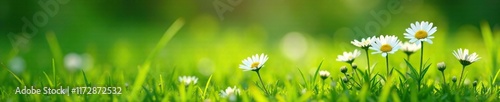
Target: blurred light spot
(294, 45)
(205, 66)
(17, 64)
(73, 61)
(466, 82)
(88, 61)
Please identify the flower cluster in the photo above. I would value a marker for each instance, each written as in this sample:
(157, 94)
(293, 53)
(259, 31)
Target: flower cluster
(385, 45)
(188, 80)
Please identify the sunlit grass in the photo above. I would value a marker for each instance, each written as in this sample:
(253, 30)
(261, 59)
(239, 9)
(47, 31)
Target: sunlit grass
(215, 63)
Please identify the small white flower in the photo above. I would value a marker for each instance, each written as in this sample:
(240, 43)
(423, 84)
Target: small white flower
(348, 56)
(410, 48)
(420, 31)
(254, 63)
(464, 57)
(385, 44)
(230, 92)
(441, 66)
(365, 43)
(324, 74)
(188, 80)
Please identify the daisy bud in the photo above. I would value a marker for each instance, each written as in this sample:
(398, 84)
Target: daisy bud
(343, 69)
(345, 80)
(441, 66)
(324, 74)
(454, 79)
(354, 66)
(347, 74)
(474, 84)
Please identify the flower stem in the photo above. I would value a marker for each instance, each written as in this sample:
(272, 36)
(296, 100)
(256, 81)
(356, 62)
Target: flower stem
(407, 66)
(368, 62)
(462, 74)
(421, 61)
(323, 85)
(387, 64)
(355, 73)
(263, 86)
(444, 78)
(367, 59)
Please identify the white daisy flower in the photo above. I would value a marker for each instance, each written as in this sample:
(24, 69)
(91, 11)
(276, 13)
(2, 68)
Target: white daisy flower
(364, 43)
(348, 56)
(188, 80)
(464, 57)
(420, 31)
(410, 48)
(385, 44)
(441, 66)
(324, 74)
(230, 92)
(254, 63)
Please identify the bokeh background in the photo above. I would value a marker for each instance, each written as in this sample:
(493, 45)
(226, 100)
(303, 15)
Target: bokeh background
(111, 38)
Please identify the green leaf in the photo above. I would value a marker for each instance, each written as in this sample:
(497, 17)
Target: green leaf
(206, 87)
(303, 78)
(48, 79)
(400, 73)
(85, 78)
(414, 72)
(316, 73)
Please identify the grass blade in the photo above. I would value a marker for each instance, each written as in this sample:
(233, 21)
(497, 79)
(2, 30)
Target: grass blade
(206, 87)
(141, 77)
(303, 78)
(48, 79)
(316, 73)
(85, 78)
(17, 78)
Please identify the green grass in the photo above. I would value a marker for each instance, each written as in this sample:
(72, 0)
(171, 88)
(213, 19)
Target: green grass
(156, 77)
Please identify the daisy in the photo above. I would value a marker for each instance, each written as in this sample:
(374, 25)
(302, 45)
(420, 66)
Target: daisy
(348, 56)
(324, 74)
(230, 92)
(420, 31)
(441, 66)
(188, 80)
(409, 48)
(254, 63)
(465, 59)
(364, 43)
(385, 44)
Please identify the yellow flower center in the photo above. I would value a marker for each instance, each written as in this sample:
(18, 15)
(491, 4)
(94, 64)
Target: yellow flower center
(386, 48)
(254, 65)
(421, 34)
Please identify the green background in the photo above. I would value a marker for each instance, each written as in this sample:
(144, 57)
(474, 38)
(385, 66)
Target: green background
(119, 35)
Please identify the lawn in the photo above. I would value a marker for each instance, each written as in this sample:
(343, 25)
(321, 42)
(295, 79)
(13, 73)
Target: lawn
(254, 54)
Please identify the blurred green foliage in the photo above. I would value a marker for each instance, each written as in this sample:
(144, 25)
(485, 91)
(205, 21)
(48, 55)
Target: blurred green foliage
(119, 35)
